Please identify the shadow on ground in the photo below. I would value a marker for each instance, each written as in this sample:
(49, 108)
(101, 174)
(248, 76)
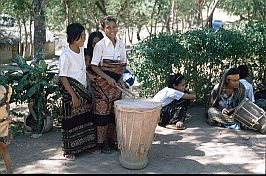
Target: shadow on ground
(198, 149)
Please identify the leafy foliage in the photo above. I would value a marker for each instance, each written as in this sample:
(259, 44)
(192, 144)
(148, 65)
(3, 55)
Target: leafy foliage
(252, 10)
(34, 83)
(202, 55)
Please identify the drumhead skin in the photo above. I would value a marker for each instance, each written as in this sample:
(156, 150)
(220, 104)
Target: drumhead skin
(137, 104)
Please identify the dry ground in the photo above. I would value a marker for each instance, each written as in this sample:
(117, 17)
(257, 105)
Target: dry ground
(198, 149)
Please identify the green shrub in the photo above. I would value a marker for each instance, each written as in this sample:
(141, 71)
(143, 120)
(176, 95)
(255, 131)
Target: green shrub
(202, 55)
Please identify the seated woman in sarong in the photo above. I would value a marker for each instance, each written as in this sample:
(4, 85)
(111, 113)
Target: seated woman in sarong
(175, 100)
(224, 98)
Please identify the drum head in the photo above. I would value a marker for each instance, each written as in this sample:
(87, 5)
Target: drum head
(138, 103)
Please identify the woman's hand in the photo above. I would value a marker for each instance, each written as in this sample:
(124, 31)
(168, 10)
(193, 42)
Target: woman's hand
(9, 119)
(225, 111)
(75, 101)
(111, 81)
(92, 77)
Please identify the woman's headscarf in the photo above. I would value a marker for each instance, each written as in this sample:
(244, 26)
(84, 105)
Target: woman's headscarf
(216, 92)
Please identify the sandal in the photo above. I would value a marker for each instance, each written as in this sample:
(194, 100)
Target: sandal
(113, 145)
(70, 157)
(106, 149)
(94, 151)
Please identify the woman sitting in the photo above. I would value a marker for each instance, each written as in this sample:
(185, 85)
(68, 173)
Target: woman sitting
(175, 100)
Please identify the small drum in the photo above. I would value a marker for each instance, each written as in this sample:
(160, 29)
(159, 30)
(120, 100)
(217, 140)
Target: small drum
(136, 120)
(251, 115)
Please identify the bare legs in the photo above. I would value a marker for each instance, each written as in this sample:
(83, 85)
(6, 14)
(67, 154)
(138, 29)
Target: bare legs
(6, 157)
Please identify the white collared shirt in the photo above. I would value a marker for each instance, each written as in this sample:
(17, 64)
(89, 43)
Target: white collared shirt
(167, 95)
(72, 64)
(105, 49)
(249, 89)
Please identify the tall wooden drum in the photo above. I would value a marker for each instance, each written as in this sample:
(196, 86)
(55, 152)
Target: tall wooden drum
(136, 120)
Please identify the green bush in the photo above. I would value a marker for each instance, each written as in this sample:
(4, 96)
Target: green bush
(154, 59)
(34, 83)
(202, 55)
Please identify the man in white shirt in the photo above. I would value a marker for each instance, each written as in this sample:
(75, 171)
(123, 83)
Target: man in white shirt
(244, 72)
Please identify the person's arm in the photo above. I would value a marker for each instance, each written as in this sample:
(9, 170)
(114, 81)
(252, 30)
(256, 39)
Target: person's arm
(99, 72)
(75, 100)
(9, 93)
(91, 76)
(7, 107)
(189, 96)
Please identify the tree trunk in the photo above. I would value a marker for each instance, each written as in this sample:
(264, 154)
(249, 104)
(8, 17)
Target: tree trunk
(101, 5)
(138, 32)
(31, 41)
(66, 12)
(20, 36)
(177, 20)
(156, 21)
(130, 35)
(39, 29)
(173, 16)
(138, 36)
(152, 14)
(210, 16)
(182, 29)
(199, 12)
(25, 46)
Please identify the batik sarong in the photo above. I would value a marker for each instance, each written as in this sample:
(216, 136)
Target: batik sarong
(174, 112)
(105, 95)
(78, 127)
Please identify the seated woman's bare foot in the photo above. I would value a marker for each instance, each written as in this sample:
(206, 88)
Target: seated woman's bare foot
(70, 157)
(180, 125)
(173, 127)
(177, 126)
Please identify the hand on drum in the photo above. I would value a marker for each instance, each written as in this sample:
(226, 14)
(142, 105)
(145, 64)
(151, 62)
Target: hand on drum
(228, 111)
(225, 111)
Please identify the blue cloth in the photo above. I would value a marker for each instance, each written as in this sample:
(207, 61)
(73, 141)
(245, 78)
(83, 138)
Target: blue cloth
(234, 126)
(128, 77)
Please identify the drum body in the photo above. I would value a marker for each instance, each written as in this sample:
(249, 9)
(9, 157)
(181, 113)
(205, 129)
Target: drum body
(136, 120)
(251, 115)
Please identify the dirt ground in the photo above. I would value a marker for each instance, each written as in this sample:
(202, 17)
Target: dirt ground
(199, 149)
